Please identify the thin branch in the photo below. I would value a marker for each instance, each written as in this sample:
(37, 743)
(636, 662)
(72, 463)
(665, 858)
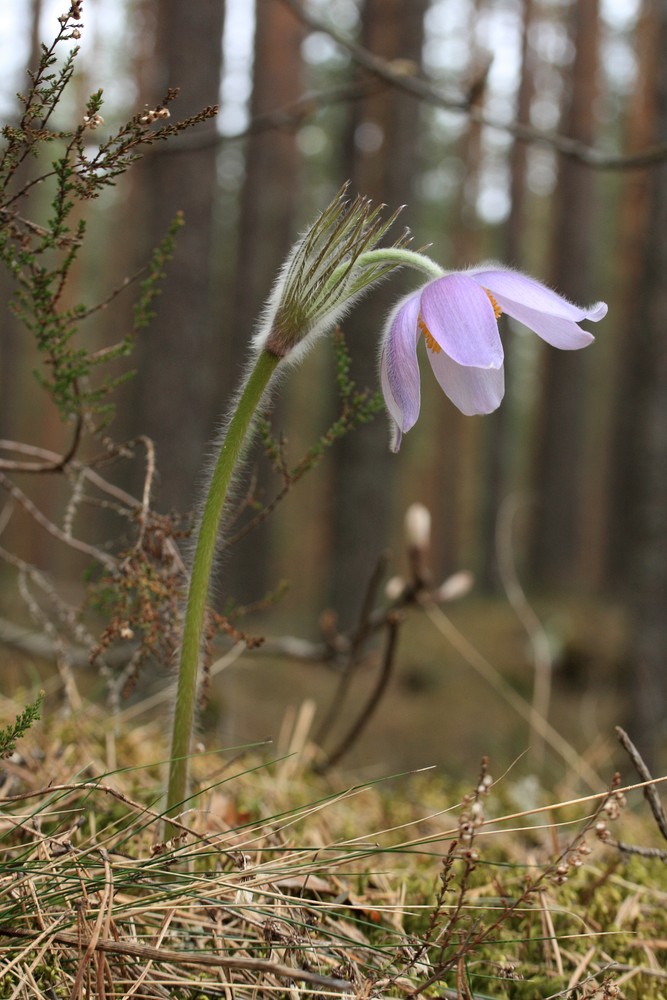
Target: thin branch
(113, 294)
(55, 463)
(20, 497)
(289, 116)
(365, 623)
(650, 794)
(395, 74)
(148, 485)
(353, 647)
(368, 710)
(163, 955)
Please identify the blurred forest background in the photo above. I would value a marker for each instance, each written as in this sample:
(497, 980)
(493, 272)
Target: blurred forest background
(528, 131)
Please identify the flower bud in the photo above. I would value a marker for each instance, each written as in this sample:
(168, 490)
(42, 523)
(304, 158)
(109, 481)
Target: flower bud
(327, 270)
(394, 587)
(418, 527)
(457, 585)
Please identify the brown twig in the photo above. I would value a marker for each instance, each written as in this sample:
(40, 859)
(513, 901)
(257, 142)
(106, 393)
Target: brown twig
(24, 501)
(396, 75)
(350, 738)
(650, 794)
(57, 464)
(162, 956)
(353, 647)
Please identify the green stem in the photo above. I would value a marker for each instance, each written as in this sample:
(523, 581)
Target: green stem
(195, 612)
(399, 255)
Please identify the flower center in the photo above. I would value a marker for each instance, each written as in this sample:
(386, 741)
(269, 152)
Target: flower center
(497, 311)
(431, 342)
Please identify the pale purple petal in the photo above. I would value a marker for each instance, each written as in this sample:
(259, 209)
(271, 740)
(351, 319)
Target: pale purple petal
(471, 390)
(399, 368)
(545, 312)
(460, 317)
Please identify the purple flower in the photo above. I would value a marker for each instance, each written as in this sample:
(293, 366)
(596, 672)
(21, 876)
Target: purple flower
(457, 316)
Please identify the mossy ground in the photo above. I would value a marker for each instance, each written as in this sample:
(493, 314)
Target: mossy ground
(282, 883)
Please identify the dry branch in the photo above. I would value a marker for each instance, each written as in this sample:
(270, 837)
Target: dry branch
(396, 76)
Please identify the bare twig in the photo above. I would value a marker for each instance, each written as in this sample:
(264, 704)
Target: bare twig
(354, 647)
(395, 75)
(650, 791)
(57, 463)
(350, 738)
(74, 543)
(148, 485)
(162, 955)
(650, 794)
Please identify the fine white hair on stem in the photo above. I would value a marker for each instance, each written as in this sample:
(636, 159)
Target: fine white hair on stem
(213, 451)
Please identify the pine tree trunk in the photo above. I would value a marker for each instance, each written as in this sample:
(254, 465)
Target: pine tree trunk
(15, 339)
(383, 131)
(631, 366)
(176, 395)
(499, 437)
(649, 651)
(559, 528)
(267, 227)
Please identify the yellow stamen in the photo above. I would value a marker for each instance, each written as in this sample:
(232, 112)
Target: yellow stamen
(431, 342)
(497, 311)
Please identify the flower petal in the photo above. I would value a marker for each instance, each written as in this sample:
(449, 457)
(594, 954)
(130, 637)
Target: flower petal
(472, 390)
(399, 368)
(545, 312)
(460, 317)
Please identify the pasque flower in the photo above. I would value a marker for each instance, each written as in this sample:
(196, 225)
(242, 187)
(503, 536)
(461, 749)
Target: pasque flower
(457, 317)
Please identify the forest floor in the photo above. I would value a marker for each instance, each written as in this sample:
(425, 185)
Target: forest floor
(278, 882)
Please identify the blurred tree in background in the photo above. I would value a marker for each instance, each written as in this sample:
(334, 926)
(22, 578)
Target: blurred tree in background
(506, 128)
(176, 394)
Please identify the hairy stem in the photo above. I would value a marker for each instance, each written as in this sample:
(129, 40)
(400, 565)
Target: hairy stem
(195, 612)
(401, 255)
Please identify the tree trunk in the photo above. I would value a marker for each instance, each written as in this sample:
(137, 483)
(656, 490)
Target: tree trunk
(267, 227)
(499, 435)
(631, 367)
(559, 462)
(176, 397)
(383, 131)
(649, 686)
(15, 339)
(455, 459)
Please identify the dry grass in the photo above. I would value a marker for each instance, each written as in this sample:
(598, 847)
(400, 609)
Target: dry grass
(278, 883)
